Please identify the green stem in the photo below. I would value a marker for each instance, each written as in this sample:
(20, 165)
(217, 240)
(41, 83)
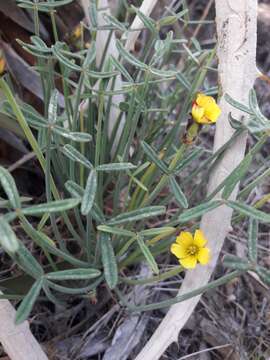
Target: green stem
(165, 178)
(157, 278)
(179, 298)
(34, 145)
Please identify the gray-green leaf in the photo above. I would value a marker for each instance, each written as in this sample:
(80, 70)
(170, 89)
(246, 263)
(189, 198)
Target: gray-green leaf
(108, 260)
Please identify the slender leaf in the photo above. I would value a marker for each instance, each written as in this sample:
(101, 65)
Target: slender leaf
(89, 193)
(52, 111)
(8, 239)
(199, 210)
(73, 274)
(116, 231)
(236, 175)
(157, 231)
(252, 239)
(154, 157)
(130, 58)
(51, 207)
(10, 188)
(136, 215)
(148, 255)
(27, 304)
(108, 260)
(249, 211)
(238, 105)
(234, 262)
(75, 155)
(178, 193)
(115, 167)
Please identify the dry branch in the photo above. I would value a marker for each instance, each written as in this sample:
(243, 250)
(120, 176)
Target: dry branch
(236, 29)
(146, 8)
(17, 340)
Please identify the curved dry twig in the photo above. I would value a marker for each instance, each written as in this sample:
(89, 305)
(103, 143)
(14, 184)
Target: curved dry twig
(236, 29)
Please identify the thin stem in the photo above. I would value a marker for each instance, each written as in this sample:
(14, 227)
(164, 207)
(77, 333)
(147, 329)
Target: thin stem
(179, 298)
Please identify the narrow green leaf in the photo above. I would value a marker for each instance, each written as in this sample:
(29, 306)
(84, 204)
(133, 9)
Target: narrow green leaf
(50, 246)
(74, 189)
(56, 49)
(75, 136)
(77, 191)
(112, 21)
(136, 215)
(236, 175)
(158, 231)
(253, 103)
(188, 160)
(199, 210)
(121, 69)
(178, 193)
(102, 74)
(27, 304)
(148, 255)
(73, 274)
(75, 155)
(130, 58)
(51, 207)
(27, 262)
(249, 211)
(77, 290)
(52, 110)
(154, 157)
(93, 13)
(238, 105)
(264, 274)
(8, 239)
(147, 21)
(89, 193)
(184, 81)
(116, 231)
(162, 73)
(116, 167)
(108, 260)
(171, 19)
(252, 239)
(10, 188)
(234, 262)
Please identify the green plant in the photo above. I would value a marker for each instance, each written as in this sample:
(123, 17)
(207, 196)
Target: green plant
(113, 192)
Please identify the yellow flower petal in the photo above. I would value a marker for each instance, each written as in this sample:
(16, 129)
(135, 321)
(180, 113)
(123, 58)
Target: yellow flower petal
(204, 256)
(178, 250)
(2, 65)
(212, 112)
(199, 239)
(184, 238)
(197, 113)
(188, 262)
(204, 100)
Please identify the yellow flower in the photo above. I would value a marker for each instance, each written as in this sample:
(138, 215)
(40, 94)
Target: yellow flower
(189, 250)
(205, 110)
(77, 32)
(2, 65)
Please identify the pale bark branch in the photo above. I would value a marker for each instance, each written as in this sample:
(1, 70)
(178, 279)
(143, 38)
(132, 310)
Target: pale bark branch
(146, 8)
(17, 340)
(236, 29)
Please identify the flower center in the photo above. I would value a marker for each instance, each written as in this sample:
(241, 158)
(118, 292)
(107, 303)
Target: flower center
(192, 250)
